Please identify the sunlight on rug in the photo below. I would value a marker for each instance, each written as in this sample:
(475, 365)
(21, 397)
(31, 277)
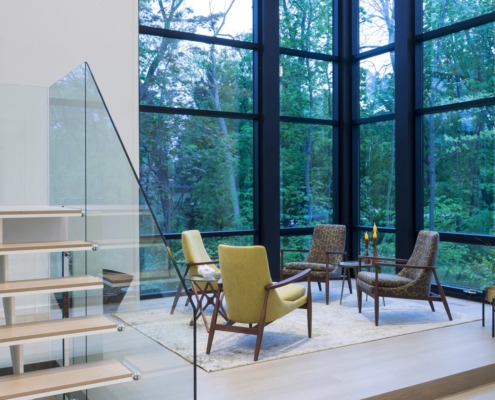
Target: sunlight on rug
(334, 325)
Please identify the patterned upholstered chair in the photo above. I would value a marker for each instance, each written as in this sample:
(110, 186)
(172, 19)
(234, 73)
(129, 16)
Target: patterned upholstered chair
(323, 258)
(412, 282)
(252, 298)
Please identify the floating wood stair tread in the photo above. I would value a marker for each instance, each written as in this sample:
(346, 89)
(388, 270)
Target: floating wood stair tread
(44, 247)
(53, 381)
(55, 329)
(38, 212)
(50, 285)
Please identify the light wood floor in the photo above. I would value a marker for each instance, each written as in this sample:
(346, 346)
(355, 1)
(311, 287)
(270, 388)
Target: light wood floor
(371, 369)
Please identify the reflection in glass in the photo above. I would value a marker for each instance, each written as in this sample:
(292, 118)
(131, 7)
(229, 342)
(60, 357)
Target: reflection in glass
(197, 172)
(459, 67)
(376, 23)
(306, 174)
(377, 85)
(459, 171)
(307, 25)
(180, 73)
(440, 13)
(220, 18)
(305, 87)
(377, 174)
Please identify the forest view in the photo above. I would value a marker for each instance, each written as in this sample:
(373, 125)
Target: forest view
(197, 135)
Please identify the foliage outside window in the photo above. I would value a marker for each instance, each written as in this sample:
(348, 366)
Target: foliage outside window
(377, 174)
(306, 95)
(197, 170)
(376, 23)
(459, 147)
(198, 135)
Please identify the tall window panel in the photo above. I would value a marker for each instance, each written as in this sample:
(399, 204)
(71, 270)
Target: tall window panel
(375, 119)
(197, 122)
(306, 109)
(458, 131)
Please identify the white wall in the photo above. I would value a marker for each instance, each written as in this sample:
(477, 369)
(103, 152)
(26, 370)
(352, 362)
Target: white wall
(42, 40)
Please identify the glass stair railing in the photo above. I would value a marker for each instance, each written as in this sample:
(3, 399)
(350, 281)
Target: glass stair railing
(79, 248)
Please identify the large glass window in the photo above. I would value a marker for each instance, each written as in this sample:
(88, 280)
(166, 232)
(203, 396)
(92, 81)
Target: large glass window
(197, 105)
(458, 126)
(376, 88)
(306, 109)
(202, 85)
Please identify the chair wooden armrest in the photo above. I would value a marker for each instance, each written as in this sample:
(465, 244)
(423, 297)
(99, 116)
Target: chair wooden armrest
(292, 279)
(201, 263)
(400, 266)
(375, 259)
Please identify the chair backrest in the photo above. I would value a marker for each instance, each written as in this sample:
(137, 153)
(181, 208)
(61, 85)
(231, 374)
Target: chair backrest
(245, 273)
(194, 250)
(424, 254)
(326, 238)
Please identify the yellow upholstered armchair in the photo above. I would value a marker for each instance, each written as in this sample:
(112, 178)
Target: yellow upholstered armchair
(251, 297)
(326, 252)
(412, 282)
(195, 255)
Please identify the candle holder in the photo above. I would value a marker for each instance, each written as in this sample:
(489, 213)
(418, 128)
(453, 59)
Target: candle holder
(366, 246)
(375, 240)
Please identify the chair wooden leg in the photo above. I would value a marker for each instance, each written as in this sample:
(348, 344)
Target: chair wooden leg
(259, 338)
(431, 305)
(442, 295)
(377, 307)
(309, 309)
(213, 324)
(349, 281)
(319, 286)
(176, 298)
(359, 297)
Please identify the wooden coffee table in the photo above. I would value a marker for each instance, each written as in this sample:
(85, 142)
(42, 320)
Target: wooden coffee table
(205, 293)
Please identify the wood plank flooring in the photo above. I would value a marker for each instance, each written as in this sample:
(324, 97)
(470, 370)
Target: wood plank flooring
(418, 360)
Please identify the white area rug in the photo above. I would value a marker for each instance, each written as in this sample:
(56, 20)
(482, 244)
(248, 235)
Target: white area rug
(334, 326)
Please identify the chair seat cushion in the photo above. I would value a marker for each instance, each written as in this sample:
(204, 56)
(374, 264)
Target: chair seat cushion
(291, 292)
(294, 268)
(384, 280)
